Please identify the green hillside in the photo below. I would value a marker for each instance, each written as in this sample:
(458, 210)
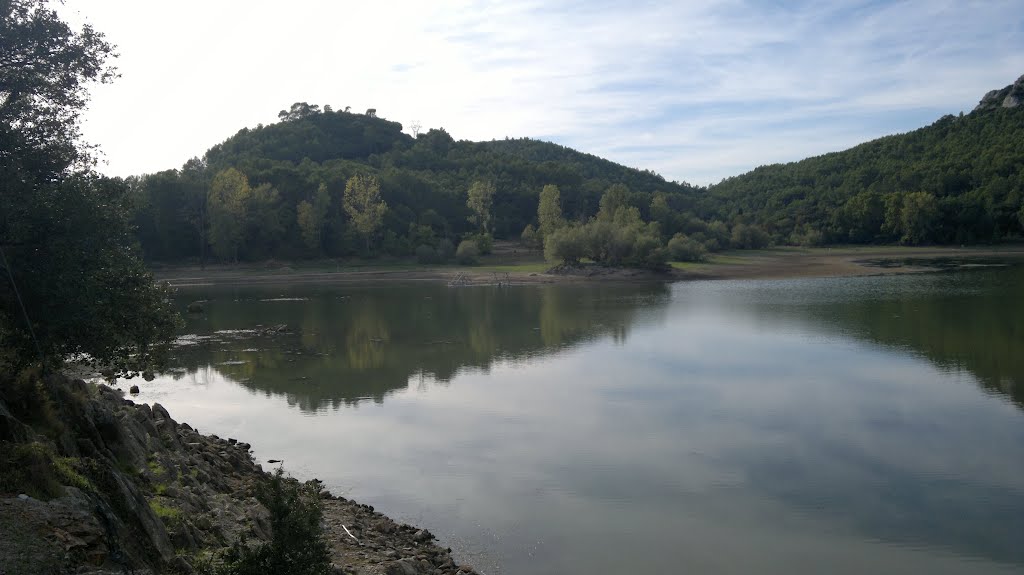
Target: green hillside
(959, 180)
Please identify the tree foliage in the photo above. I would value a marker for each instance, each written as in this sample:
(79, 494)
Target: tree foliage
(549, 210)
(479, 200)
(959, 180)
(364, 205)
(71, 281)
(228, 204)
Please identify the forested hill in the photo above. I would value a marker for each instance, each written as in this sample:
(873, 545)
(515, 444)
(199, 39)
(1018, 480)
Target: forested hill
(332, 183)
(959, 180)
(311, 154)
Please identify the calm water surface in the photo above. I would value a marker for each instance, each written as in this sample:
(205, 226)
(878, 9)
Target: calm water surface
(856, 425)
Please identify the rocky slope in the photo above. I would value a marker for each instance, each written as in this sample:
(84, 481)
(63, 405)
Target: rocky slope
(136, 491)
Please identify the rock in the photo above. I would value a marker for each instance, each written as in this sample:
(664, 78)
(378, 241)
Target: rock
(134, 390)
(402, 567)
(1009, 97)
(181, 565)
(195, 307)
(422, 536)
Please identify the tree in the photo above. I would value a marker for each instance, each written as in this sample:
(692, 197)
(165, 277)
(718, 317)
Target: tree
(298, 111)
(479, 199)
(566, 245)
(364, 205)
(71, 279)
(264, 228)
(549, 210)
(615, 197)
(312, 216)
(918, 217)
(227, 205)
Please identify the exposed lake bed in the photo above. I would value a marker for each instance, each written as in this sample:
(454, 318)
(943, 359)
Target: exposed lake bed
(847, 424)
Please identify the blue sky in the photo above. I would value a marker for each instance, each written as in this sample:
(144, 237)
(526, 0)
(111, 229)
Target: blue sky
(696, 91)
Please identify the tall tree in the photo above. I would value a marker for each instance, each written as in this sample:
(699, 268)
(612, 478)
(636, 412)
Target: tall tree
(549, 210)
(227, 204)
(71, 280)
(615, 197)
(919, 217)
(479, 199)
(312, 216)
(364, 205)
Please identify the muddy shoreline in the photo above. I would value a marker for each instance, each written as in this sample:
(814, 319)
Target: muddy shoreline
(779, 263)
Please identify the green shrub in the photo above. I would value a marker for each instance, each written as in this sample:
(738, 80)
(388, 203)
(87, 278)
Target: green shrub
(427, 255)
(297, 546)
(684, 249)
(484, 243)
(749, 237)
(36, 470)
(467, 253)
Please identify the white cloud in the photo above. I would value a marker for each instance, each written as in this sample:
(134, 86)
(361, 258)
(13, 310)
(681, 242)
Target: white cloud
(696, 91)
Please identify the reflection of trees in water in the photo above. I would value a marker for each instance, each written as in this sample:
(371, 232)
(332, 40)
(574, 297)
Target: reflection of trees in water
(940, 317)
(351, 344)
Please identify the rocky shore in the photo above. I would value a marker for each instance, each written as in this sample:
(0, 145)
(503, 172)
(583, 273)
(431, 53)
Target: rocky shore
(142, 493)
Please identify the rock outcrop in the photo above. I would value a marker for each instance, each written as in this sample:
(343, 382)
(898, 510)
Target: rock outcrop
(1009, 97)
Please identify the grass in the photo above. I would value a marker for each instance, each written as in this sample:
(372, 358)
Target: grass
(36, 470)
(165, 512)
(534, 267)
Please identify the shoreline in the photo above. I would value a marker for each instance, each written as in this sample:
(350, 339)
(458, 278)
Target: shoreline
(777, 263)
(173, 495)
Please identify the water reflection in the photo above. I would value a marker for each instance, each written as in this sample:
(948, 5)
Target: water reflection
(328, 346)
(714, 427)
(968, 321)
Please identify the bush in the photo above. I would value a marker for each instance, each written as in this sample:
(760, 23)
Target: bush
(467, 253)
(484, 243)
(807, 237)
(427, 255)
(749, 237)
(566, 245)
(684, 249)
(530, 238)
(36, 470)
(297, 546)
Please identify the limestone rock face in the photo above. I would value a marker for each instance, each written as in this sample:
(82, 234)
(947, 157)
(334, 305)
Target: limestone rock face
(1009, 97)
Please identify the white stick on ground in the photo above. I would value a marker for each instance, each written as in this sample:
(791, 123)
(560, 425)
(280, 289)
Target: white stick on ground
(350, 534)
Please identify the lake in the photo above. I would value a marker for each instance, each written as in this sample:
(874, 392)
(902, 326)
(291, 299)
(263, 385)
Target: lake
(845, 425)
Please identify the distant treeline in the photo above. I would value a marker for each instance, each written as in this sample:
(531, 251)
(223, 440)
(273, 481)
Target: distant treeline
(279, 191)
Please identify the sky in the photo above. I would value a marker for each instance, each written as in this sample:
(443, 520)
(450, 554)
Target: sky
(696, 91)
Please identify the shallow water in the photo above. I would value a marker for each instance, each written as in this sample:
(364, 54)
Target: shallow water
(843, 425)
